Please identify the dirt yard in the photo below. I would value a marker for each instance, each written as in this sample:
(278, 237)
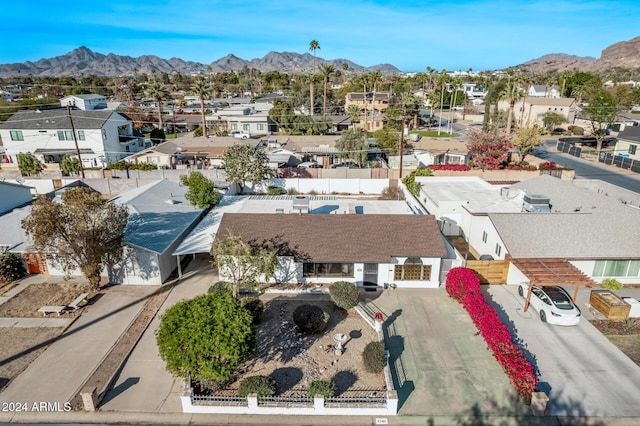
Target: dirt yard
(624, 334)
(294, 360)
(26, 303)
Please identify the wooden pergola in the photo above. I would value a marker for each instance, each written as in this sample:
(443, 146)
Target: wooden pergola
(551, 272)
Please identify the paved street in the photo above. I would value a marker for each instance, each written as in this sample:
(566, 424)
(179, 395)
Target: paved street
(581, 371)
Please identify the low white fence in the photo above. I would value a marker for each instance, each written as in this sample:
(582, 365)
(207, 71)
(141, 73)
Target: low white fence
(386, 405)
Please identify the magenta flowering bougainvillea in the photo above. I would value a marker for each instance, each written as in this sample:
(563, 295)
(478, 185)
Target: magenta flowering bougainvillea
(464, 286)
(450, 167)
(548, 165)
(488, 150)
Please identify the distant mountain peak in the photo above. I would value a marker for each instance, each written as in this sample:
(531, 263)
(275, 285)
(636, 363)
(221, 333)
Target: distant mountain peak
(84, 61)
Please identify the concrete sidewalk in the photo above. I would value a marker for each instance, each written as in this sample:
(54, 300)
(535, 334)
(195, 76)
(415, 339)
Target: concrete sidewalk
(57, 375)
(35, 322)
(144, 385)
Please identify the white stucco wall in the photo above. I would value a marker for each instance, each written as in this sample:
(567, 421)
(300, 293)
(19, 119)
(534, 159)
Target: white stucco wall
(515, 275)
(482, 224)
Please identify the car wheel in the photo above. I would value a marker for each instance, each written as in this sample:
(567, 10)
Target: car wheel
(520, 292)
(543, 316)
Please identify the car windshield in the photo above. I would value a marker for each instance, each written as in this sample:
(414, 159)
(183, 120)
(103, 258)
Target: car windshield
(559, 298)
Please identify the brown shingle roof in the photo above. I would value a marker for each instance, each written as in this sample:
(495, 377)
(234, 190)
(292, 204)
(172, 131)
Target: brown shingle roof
(339, 238)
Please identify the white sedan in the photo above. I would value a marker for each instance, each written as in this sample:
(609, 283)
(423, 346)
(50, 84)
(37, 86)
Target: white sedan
(552, 303)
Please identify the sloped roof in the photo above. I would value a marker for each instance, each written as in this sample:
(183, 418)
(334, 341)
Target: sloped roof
(339, 238)
(158, 215)
(564, 102)
(57, 119)
(630, 133)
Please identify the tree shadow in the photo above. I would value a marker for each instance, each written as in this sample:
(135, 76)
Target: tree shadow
(122, 387)
(514, 411)
(343, 381)
(286, 378)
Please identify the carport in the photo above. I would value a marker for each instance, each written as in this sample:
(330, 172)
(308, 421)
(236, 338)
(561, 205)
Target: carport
(551, 272)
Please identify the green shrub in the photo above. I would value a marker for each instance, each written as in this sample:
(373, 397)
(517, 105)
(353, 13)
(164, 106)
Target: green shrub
(322, 387)
(292, 191)
(11, 267)
(261, 385)
(344, 294)
(313, 192)
(219, 286)
(611, 284)
(310, 319)
(198, 132)
(274, 190)
(577, 130)
(157, 135)
(255, 306)
(373, 357)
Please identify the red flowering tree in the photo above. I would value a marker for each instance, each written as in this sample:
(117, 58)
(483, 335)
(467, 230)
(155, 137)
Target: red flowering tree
(463, 285)
(450, 167)
(487, 150)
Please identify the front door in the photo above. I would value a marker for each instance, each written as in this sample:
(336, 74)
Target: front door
(370, 276)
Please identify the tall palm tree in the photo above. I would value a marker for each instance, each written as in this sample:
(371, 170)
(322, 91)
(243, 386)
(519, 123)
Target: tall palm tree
(313, 46)
(202, 89)
(512, 93)
(443, 79)
(326, 70)
(157, 91)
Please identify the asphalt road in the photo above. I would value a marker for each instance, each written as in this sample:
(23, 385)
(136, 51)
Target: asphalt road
(587, 170)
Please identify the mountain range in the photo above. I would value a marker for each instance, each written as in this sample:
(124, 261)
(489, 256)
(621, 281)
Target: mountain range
(625, 54)
(84, 61)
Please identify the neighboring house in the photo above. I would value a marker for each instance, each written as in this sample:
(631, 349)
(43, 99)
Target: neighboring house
(103, 137)
(159, 219)
(540, 218)
(85, 102)
(543, 91)
(13, 195)
(372, 107)
(628, 144)
(6, 95)
(367, 249)
(529, 110)
(252, 119)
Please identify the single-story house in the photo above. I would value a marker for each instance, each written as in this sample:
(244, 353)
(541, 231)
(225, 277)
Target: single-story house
(371, 250)
(628, 144)
(13, 195)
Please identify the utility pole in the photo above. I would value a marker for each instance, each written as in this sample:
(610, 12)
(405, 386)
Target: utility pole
(404, 112)
(75, 139)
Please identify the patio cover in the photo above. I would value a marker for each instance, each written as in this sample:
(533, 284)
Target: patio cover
(551, 272)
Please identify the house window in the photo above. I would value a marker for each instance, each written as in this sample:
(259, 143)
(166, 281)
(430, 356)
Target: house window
(245, 127)
(484, 237)
(234, 126)
(498, 249)
(81, 135)
(60, 135)
(319, 270)
(16, 135)
(68, 135)
(412, 270)
(260, 126)
(104, 134)
(632, 149)
(616, 268)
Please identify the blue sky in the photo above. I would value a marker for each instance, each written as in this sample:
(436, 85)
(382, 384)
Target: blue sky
(455, 35)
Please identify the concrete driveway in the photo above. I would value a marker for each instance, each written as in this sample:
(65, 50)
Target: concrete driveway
(580, 370)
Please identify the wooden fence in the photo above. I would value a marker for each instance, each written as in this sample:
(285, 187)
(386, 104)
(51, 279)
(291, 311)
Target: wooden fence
(490, 271)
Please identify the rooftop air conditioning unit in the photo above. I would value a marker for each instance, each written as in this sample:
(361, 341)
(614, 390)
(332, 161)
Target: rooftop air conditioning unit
(536, 203)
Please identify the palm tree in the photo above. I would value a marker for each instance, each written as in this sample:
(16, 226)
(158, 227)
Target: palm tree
(202, 89)
(313, 46)
(157, 91)
(442, 82)
(512, 93)
(326, 70)
(354, 113)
